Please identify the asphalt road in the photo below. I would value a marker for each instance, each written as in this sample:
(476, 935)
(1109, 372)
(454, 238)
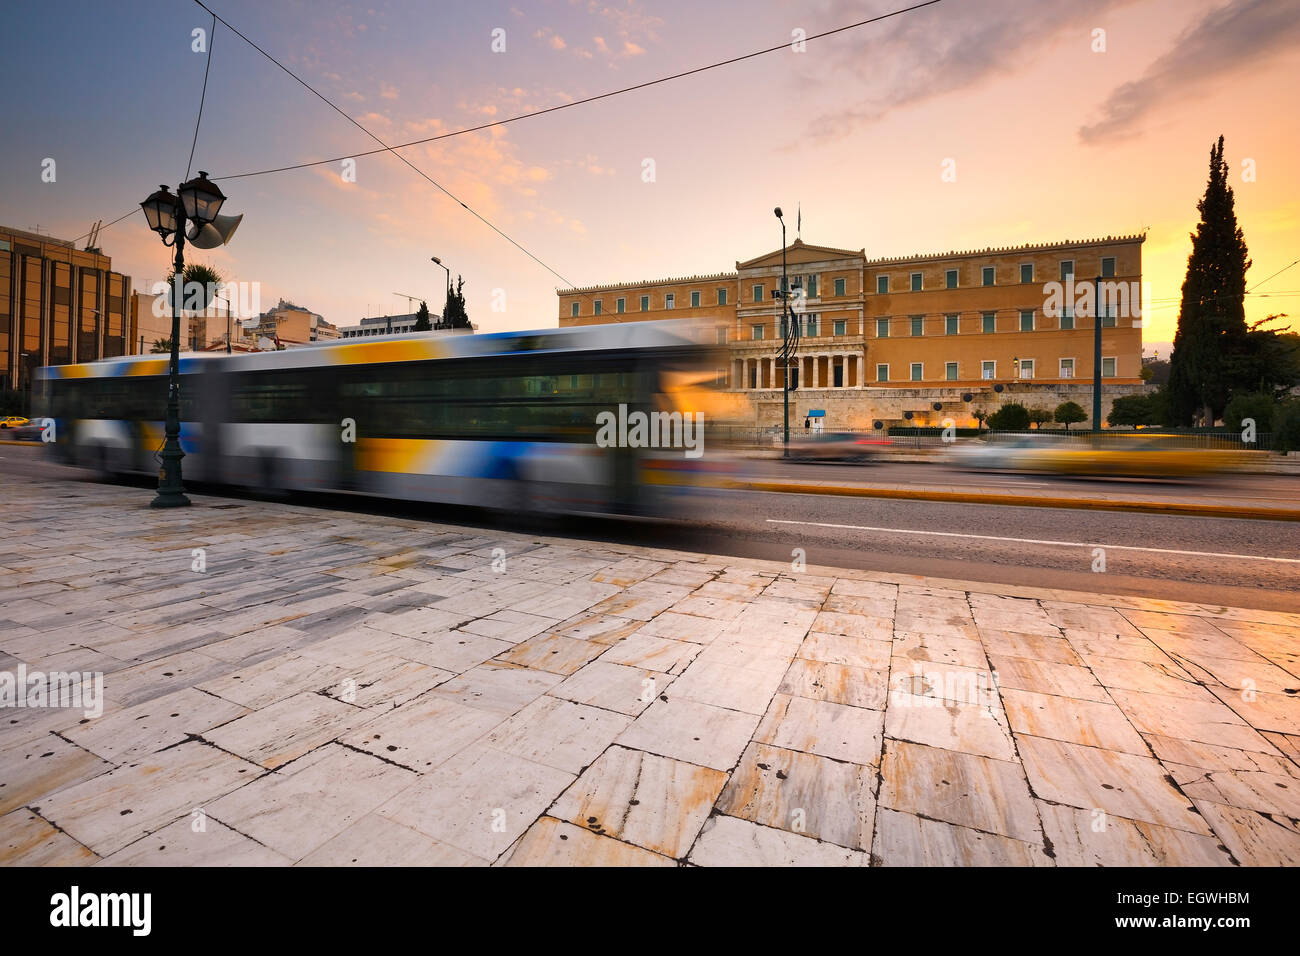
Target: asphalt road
(1213, 561)
(1234, 489)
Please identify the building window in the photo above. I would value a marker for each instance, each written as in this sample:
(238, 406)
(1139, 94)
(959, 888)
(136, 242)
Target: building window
(1067, 318)
(621, 304)
(988, 322)
(758, 293)
(722, 297)
(645, 303)
(882, 328)
(599, 307)
(918, 370)
(1067, 368)
(916, 282)
(950, 371)
(1026, 368)
(918, 325)
(1108, 317)
(882, 373)
(840, 326)
(810, 327)
(1108, 368)
(1067, 269)
(1026, 320)
(573, 310)
(986, 275)
(1026, 272)
(811, 285)
(695, 300)
(882, 285)
(950, 279)
(839, 286)
(753, 376)
(757, 332)
(950, 325)
(837, 375)
(988, 370)
(1107, 267)
(722, 335)
(670, 301)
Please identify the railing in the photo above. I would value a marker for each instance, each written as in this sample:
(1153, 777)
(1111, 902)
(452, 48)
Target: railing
(923, 438)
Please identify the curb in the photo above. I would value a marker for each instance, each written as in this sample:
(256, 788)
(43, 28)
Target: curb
(15, 441)
(1028, 501)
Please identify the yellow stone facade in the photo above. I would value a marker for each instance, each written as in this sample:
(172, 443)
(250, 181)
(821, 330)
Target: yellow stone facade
(961, 322)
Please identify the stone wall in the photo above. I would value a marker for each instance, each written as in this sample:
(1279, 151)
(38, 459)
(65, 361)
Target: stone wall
(853, 409)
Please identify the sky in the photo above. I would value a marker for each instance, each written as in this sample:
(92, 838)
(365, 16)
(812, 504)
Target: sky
(1062, 119)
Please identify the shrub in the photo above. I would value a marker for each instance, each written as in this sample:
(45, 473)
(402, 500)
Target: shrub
(1011, 417)
(1070, 413)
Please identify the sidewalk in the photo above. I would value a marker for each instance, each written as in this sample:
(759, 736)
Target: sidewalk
(336, 688)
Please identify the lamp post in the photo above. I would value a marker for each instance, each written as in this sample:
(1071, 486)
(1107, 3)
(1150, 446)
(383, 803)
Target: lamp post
(447, 300)
(789, 339)
(197, 203)
(1096, 358)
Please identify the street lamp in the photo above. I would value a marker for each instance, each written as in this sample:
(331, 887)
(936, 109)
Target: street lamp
(789, 338)
(198, 204)
(447, 301)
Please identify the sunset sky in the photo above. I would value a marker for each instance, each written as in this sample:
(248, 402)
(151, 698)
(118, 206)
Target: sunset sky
(1050, 139)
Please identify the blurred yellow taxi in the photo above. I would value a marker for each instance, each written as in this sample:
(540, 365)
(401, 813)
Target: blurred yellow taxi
(1123, 454)
(14, 421)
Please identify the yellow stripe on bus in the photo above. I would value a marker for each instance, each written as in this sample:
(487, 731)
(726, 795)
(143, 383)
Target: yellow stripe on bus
(404, 456)
(366, 353)
(148, 367)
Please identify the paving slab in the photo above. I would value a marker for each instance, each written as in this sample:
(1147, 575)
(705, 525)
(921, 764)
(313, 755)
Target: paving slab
(349, 689)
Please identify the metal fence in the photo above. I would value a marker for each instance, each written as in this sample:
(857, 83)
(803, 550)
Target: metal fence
(905, 438)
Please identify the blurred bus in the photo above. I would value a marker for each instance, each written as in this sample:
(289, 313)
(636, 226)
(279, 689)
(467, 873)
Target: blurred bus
(505, 420)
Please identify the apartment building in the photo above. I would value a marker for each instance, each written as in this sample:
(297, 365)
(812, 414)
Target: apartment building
(58, 305)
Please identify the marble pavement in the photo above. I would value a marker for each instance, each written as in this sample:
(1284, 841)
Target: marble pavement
(291, 686)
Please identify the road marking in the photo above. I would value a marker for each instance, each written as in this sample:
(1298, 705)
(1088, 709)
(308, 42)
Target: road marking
(1068, 544)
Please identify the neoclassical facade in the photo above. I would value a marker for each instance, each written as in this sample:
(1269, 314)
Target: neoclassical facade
(906, 339)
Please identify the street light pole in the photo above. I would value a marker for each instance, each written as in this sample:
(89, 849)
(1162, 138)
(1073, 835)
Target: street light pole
(171, 489)
(1096, 357)
(447, 299)
(197, 201)
(785, 342)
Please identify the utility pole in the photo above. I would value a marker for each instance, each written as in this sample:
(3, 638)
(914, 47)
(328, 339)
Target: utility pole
(1096, 357)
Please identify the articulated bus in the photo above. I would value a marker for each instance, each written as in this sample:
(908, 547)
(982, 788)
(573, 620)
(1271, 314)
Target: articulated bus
(504, 420)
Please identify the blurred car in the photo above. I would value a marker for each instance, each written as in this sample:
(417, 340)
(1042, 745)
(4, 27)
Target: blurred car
(29, 432)
(836, 446)
(1125, 454)
(14, 421)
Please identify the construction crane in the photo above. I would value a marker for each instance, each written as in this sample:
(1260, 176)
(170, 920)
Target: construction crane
(409, 299)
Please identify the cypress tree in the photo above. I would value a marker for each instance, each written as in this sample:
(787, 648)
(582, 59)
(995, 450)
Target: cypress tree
(422, 323)
(1211, 331)
(456, 317)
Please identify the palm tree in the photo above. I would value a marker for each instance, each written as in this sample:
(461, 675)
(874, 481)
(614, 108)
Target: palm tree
(161, 345)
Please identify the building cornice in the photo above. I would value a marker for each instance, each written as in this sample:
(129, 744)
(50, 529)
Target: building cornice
(1060, 245)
